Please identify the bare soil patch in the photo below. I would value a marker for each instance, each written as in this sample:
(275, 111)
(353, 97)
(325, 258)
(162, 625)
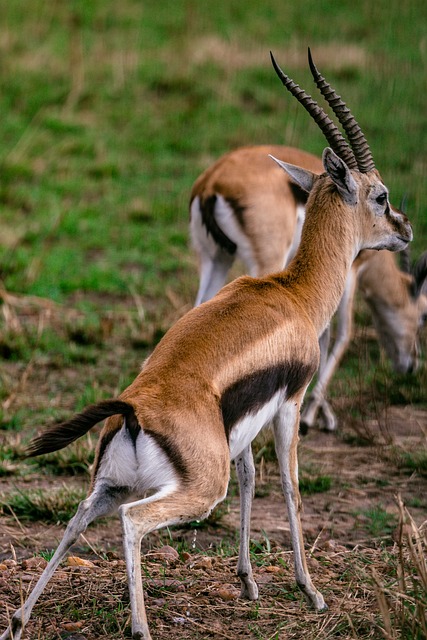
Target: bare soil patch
(194, 594)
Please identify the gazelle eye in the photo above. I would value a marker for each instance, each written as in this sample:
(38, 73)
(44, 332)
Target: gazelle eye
(382, 198)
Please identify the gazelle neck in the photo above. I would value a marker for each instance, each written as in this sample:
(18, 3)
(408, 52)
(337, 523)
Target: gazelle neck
(319, 270)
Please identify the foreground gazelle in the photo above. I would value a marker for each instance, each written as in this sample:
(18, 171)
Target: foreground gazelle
(224, 371)
(244, 206)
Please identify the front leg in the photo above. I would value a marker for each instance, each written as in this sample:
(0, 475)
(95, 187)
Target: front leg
(246, 476)
(286, 425)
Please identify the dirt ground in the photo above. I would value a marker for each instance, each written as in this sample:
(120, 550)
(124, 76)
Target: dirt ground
(193, 593)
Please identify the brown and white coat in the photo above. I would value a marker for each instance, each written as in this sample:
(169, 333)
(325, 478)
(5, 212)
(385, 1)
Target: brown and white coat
(245, 207)
(220, 374)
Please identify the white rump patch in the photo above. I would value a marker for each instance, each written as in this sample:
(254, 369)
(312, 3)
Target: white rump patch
(227, 221)
(144, 467)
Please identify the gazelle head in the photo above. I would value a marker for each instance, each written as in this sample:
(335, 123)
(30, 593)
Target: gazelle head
(400, 321)
(349, 170)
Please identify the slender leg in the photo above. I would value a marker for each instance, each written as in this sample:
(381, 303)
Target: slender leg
(213, 274)
(246, 476)
(103, 501)
(143, 516)
(286, 425)
(328, 365)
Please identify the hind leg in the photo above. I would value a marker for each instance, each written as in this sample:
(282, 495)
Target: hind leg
(143, 516)
(213, 274)
(104, 500)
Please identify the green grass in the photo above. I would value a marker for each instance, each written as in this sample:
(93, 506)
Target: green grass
(109, 113)
(110, 110)
(314, 484)
(379, 522)
(414, 461)
(37, 505)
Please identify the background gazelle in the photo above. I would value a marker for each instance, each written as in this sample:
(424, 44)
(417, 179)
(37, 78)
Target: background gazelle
(224, 371)
(243, 206)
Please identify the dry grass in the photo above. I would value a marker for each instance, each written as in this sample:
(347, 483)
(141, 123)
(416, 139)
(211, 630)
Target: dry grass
(372, 593)
(403, 604)
(232, 56)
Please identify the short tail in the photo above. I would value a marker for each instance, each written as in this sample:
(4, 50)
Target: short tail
(63, 434)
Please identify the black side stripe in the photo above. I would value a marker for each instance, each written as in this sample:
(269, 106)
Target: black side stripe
(207, 208)
(249, 394)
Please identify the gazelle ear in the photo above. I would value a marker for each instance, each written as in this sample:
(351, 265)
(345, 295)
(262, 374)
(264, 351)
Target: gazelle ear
(338, 171)
(302, 177)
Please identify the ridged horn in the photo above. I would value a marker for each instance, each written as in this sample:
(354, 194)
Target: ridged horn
(331, 132)
(354, 133)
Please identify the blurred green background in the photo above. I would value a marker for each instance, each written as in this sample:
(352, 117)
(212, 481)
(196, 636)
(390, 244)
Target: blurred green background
(110, 110)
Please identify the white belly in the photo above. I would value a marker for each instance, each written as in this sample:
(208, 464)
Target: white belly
(248, 427)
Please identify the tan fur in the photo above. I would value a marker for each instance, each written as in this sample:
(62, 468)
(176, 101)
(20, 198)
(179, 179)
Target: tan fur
(249, 175)
(247, 178)
(389, 294)
(177, 426)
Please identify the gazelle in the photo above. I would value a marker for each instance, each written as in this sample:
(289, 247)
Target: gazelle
(244, 206)
(225, 370)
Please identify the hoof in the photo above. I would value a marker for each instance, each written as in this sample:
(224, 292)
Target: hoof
(303, 428)
(249, 590)
(249, 593)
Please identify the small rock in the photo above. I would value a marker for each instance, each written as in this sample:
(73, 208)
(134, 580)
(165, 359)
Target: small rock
(37, 562)
(331, 546)
(75, 561)
(273, 569)
(204, 562)
(9, 562)
(72, 626)
(166, 553)
(313, 563)
(227, 592)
